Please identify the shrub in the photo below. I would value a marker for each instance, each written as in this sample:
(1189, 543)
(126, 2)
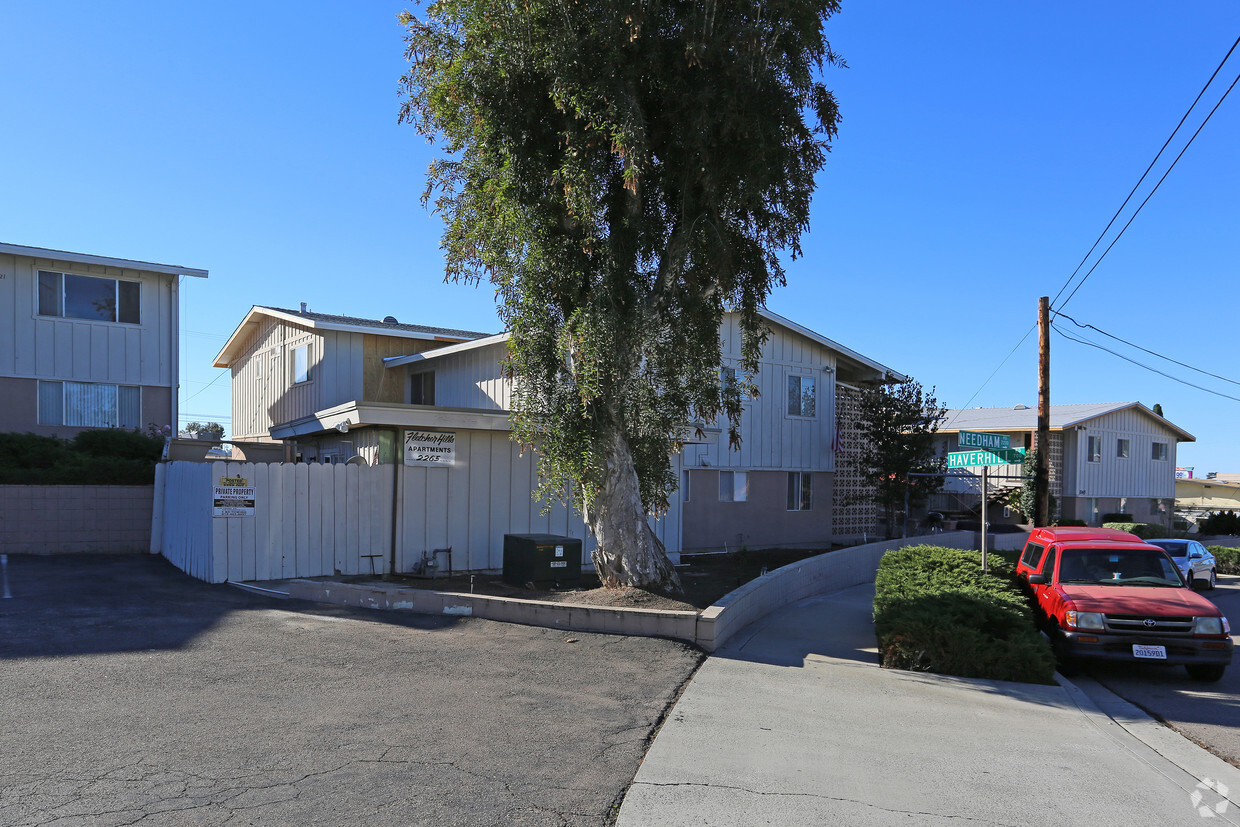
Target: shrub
(1142, 530)
(1227, 559)
(1220, 522)
(934, 610)
(1068, 522)
(1117, 517)
(103, 457)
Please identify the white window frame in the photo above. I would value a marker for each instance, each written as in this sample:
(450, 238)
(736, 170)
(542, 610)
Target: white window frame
(802, 484)
(301, 372)
(62, 303)
(1123, 448)
(738, 489)
(800, 379)
(421, 377)
(1154, 452)
(1093, 449)
(107, 418)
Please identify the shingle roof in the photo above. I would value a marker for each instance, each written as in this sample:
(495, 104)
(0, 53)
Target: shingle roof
(1025, 418)
(354, 321)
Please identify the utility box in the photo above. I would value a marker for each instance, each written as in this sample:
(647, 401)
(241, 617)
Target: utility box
(542, 559)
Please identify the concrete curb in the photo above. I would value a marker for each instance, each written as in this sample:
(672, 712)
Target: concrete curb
(568, 616)
(1204, 766)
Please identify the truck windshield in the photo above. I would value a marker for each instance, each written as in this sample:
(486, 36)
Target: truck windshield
(1118, 567)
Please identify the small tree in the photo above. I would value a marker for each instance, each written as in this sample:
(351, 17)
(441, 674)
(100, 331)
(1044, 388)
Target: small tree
(212, 430)
(897, 424)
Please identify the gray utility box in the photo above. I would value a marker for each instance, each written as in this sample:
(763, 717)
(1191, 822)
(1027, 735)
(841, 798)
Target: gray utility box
(542, 559)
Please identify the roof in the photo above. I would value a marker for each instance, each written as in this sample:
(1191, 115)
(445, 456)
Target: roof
(885, 374)
(346, 324)
(1025, 418)
(104, 261)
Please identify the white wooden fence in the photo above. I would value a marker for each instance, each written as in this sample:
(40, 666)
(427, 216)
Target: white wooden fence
(314, 520)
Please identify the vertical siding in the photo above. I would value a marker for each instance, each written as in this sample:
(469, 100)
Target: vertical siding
(42, 347)
(470, 379)
(1137, 476)
(259, 402)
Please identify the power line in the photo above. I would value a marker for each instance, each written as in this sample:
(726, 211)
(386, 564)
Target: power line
(209, 384)
(991, 376)
(1072, 338)
(1151, 195)
(1143, 177)
(1146, 350)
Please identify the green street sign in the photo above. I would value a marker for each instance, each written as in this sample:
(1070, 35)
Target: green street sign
(972, 459)
(987, 442)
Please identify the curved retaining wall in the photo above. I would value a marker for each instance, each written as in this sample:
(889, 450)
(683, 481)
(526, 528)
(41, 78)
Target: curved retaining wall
(709, 628)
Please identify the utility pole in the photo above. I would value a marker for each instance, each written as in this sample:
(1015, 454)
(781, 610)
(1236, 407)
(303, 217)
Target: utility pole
(1043, 477)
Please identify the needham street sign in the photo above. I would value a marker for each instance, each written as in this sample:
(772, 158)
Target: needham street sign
(972, 459)
(987, 442)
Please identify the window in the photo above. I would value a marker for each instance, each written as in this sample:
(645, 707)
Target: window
(422, 389)
(800, 491)
(733, 486)
(684, 486)
(1121, 448)
(1095, 449)
(801, 396)
(728, 378)
(1033, 553)
(90, 298)
(301, 364)
(1160, 451)
(90, 405)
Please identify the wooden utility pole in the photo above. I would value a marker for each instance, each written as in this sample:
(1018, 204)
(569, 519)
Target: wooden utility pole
(1043, 477)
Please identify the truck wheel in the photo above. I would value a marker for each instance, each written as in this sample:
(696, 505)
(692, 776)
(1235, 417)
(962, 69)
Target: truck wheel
(1206, 672)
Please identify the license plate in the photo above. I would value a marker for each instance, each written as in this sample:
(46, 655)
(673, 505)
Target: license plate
(563, 564)
(1152, 652)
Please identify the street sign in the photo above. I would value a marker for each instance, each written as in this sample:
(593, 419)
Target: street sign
(972, 459)
(987, 442)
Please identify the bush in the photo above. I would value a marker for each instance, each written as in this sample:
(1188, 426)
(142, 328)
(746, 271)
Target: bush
(1070, 522)
(1220, 522)
(1116, 517)
(103, 457)
(1142, 530)
(1227, 559)
(935, 611)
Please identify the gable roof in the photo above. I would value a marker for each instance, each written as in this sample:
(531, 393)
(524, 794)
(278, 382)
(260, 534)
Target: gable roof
(1025, 418)
(884, 373)
(103, 261)
(346, 324)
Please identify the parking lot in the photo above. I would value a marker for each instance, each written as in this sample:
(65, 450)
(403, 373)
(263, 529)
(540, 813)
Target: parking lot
(132, 693)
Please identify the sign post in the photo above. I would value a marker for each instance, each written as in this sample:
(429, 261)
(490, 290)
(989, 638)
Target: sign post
(985, 512)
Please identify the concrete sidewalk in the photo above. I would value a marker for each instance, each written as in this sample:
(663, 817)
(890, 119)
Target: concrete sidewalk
(793, 723)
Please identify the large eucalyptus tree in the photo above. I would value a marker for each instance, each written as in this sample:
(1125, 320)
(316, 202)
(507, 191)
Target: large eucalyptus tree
(624, 173)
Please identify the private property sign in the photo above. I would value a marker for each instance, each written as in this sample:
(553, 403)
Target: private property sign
(972, 459)
(232, 497)
(430, 448)
(987, 442)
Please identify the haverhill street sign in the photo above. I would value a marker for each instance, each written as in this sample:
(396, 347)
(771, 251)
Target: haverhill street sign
(972, 459)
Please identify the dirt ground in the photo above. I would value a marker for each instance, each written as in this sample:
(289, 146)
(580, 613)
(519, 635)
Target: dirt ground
(705, 578)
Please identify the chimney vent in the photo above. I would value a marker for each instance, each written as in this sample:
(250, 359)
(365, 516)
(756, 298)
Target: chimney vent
(303, 307)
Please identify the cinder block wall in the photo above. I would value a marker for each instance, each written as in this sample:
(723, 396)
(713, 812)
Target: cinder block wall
(70, 519)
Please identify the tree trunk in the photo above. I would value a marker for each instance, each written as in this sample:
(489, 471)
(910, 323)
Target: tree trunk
(628, 552)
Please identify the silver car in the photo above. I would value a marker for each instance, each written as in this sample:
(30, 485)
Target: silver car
(1194, 560)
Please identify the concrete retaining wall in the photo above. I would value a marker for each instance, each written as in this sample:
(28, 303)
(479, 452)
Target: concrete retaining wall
(568, 616)
(72, 519)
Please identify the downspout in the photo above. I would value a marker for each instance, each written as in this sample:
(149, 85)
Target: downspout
(397, 462)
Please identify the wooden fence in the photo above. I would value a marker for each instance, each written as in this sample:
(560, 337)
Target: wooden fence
(313, 520)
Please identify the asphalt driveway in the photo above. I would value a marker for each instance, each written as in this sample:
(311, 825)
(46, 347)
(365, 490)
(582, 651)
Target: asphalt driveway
(130, 693)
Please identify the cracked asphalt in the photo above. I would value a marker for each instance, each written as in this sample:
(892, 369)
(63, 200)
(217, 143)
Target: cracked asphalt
(132, 694)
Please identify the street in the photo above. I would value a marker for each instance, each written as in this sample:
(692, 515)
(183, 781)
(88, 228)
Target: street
(1207, 713)
(129, 691)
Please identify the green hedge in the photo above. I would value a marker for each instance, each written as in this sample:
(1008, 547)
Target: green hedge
(1227, 559)
(1220, 522)
(103, 457)
(935, 611)
(1142, 530)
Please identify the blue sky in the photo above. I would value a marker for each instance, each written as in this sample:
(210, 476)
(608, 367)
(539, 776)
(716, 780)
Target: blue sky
(984, 146)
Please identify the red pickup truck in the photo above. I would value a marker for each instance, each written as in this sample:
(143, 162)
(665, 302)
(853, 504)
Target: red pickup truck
(1103, 594)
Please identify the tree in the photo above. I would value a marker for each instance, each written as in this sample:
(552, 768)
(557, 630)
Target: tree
(212, 430)
(897, 424)
(1158, 409)
(623, 174)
